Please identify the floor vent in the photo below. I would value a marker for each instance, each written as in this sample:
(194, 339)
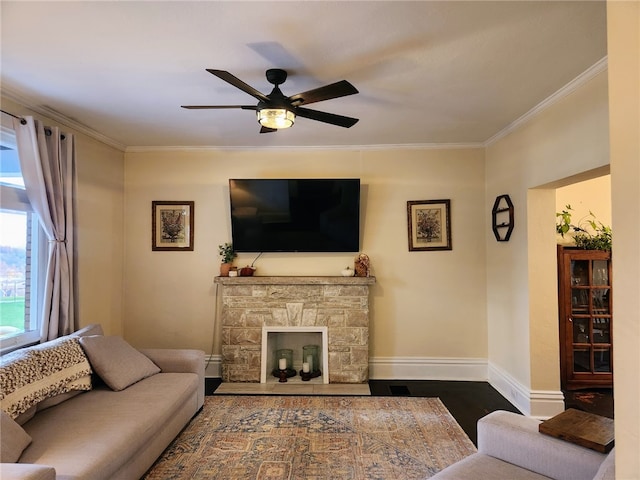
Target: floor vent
(400, 390)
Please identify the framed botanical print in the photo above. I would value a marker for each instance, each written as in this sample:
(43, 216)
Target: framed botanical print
(172, 226)
(429, 223)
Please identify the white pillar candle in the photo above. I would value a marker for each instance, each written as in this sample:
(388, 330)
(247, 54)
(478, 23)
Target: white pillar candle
(305, 367)
(282, 364)
(310, 362)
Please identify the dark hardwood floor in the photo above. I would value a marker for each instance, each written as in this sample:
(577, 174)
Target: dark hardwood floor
(470, 401)
(467, 401)
(596, 400)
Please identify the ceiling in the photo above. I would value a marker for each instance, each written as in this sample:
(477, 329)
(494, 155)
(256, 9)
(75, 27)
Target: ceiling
(428, 72)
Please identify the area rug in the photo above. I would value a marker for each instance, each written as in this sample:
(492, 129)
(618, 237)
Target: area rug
(314, 438)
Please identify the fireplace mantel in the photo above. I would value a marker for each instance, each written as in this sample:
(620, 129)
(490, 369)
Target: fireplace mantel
(295, 280)
(339, 303)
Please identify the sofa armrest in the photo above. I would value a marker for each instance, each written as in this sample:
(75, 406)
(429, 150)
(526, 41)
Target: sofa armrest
(174, 360)
(26, 471)
(515, 439)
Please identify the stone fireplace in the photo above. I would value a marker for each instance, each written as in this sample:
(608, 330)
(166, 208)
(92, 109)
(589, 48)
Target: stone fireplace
(255, 308)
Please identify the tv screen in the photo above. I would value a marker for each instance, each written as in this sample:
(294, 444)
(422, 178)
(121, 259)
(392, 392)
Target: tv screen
(295, 215)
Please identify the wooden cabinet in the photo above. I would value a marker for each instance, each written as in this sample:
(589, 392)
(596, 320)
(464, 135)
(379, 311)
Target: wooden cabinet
(584, 296)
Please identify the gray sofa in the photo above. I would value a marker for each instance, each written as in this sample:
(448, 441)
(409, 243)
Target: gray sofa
(112, 425)
(511, 448)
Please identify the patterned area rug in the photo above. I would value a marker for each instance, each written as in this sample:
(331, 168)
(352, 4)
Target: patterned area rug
(315, 437)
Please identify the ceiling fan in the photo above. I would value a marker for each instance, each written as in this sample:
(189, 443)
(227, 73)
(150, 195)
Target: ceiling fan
(275, 111)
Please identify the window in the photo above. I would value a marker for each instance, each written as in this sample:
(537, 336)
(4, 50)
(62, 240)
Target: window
(21, 249)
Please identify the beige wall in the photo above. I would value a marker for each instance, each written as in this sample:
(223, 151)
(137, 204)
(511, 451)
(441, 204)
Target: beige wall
(569, 137)
(588, 196)
(424, 304)
(100, 226)
(101, 234)
(623, 26)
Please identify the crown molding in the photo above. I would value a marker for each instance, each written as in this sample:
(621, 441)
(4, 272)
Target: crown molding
(408, 146)
(569, 88)
(61, 119)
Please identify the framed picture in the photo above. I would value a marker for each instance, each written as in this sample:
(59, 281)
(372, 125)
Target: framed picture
(172, 226)
(429, 225)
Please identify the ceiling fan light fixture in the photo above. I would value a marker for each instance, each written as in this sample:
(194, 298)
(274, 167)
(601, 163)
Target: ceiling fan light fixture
(275, 117)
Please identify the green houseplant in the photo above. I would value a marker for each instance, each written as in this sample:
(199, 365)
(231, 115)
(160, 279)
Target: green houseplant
(589, 233)
(227, 253)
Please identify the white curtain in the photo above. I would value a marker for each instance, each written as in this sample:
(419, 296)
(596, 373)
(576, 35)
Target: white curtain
(47, 159)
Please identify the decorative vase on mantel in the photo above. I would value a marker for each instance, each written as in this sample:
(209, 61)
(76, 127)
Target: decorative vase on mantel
(227, 253)
(224, 269)
(247, 271)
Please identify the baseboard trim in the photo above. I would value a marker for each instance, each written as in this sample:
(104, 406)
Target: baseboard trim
(213, 366)
(428, 368)
(402, 368)
(541, 404)
(546, 403)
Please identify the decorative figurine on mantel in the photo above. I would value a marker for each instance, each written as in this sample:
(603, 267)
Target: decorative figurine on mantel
(348, 272)
(362, 265)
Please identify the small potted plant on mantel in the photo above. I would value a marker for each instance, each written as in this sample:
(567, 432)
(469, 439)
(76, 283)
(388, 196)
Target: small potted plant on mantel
(227, 253)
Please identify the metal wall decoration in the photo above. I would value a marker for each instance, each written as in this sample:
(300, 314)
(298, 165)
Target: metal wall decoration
(502, 218)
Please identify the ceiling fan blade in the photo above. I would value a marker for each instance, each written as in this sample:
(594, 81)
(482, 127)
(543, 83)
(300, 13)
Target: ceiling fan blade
(236, 82)
(268, 130)
(334, 90)
(325, 117)
(203, 107)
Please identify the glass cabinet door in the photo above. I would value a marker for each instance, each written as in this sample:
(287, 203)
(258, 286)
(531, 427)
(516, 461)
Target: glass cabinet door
(590, 316)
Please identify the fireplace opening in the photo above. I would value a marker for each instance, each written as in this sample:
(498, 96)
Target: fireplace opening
(293, 338)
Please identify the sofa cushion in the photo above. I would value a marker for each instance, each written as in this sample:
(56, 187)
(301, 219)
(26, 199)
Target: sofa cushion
(30, 375)
(27, 472)
(92, 435)
(13, 438)
(480, 466)
(55, 400)
(515, 438)
(26, 416)
(607, 470)
(116, 362)
(51, 401)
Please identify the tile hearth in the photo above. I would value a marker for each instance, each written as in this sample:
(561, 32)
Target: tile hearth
(292, 388)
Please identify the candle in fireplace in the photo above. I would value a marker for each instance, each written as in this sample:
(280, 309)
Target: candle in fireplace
(282, 364)
(310, 362)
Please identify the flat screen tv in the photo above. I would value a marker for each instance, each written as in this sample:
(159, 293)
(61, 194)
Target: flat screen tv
(295, 215)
